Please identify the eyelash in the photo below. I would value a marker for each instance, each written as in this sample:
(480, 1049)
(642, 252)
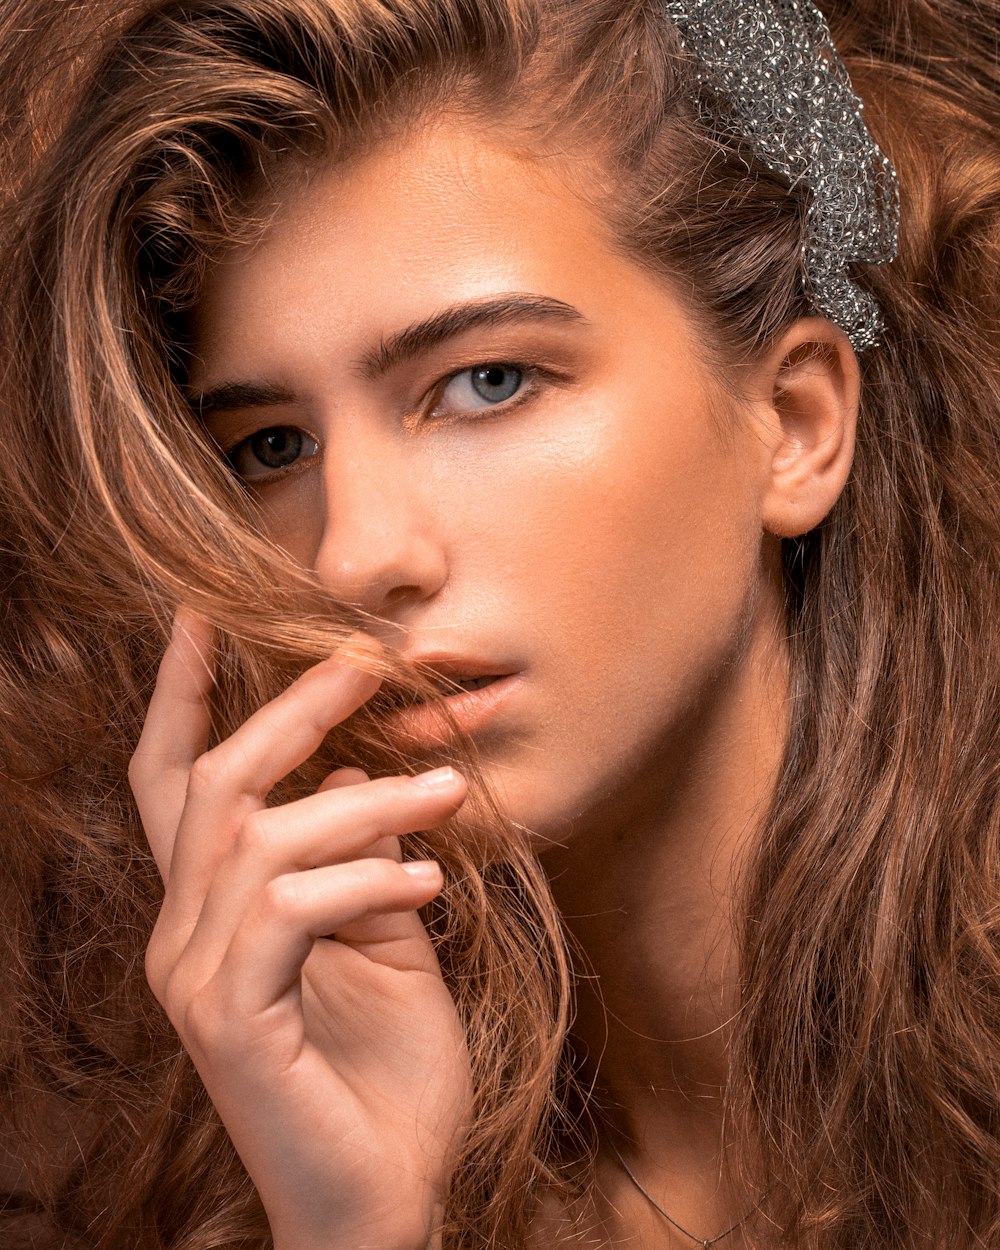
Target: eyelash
(232, 454)
(531, 377)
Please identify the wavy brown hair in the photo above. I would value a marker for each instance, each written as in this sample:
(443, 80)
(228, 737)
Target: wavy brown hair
(142, 139)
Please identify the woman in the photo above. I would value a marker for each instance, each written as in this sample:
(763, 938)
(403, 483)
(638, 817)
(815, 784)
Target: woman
(541, 573)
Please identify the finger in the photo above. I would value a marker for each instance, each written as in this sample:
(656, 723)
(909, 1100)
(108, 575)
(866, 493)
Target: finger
(286, 731)
(175, 732)
(331, 826)
(321, 830)
(342, 777)
(265, 958)
(230, 782)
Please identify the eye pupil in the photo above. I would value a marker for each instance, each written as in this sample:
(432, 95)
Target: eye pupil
(277, 448)
(496, 382)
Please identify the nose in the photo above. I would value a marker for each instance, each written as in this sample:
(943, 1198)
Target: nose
(378, 550)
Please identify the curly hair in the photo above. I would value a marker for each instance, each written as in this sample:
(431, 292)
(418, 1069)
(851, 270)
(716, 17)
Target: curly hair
(141, 139)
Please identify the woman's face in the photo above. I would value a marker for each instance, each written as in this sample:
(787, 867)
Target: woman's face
(477, 421)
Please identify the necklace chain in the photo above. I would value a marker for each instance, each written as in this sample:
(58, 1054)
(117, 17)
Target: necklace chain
(705, 1242)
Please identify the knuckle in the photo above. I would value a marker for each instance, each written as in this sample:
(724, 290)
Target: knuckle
(173, 999)
(254, 835)
(137, 770)
(403, 788)
(280, 899)
(206, 772)
(376, 874)
(160, 959)
(314, 722)
(156, 969)
(396, 798)
(205, 1026)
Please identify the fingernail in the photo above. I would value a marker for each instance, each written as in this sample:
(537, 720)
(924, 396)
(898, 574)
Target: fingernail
(439, 779)
(422, 869)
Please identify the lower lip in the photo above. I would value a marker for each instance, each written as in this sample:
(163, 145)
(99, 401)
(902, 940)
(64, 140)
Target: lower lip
(470, 712)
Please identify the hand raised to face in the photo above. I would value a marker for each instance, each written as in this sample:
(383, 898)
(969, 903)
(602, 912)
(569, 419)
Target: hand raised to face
(292, 962)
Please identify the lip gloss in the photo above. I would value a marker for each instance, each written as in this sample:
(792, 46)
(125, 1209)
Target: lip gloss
(470, 710)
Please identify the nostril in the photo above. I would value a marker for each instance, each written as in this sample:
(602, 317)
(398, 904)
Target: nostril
(402, 594)
(379, 550)
(383, 583)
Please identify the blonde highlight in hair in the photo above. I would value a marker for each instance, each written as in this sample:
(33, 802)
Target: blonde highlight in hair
(146, 139)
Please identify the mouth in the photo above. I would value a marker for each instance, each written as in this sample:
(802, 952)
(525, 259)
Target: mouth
(471, 697)
(451, 686)
(450, 678)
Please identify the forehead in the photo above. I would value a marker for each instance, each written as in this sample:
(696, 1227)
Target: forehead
(443, 215)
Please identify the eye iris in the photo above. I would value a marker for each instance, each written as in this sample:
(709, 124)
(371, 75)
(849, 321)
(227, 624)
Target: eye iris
(496, 382)
(277, 448)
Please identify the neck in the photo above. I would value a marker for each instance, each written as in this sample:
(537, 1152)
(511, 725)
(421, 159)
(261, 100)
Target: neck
(648, 889)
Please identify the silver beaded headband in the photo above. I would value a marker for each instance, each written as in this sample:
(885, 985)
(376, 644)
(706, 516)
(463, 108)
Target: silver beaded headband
(769, 72)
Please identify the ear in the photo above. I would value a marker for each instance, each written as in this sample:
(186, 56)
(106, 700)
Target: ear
(806, 391)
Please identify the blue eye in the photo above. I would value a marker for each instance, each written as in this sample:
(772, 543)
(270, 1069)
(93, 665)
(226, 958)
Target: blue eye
(495, 383)
(481, 387)
(270, 451)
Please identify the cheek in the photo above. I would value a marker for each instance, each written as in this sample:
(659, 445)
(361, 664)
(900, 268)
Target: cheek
(616, 516)
(671, 568)
(292, 514)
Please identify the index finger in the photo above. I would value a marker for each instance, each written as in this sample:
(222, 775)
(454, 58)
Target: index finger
(174, 733)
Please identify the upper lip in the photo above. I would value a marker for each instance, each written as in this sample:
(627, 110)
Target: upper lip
(454, 668)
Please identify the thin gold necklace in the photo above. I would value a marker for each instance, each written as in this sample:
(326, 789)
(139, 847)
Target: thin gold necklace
(705, 1242)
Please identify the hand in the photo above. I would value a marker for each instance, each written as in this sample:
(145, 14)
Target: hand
(290, 958)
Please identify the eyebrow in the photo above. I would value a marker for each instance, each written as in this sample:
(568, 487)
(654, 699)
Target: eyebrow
(497, 310)
(411, 341)
(230, 395)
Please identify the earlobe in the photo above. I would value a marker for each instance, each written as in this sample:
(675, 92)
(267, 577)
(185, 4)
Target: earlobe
(814, 384)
